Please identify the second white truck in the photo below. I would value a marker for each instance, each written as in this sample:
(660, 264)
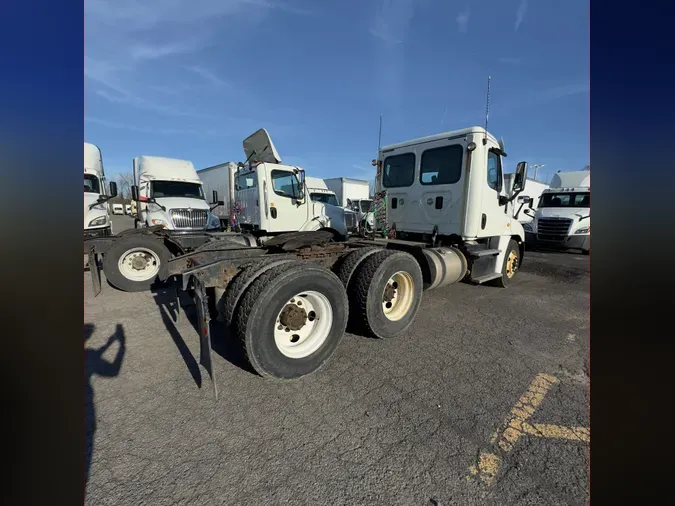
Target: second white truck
(563, 217)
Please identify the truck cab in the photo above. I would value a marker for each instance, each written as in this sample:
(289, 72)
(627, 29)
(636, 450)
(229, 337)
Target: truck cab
(96, 212)
(563, 217)
(276, 198)
(449, 189)
(170, 194)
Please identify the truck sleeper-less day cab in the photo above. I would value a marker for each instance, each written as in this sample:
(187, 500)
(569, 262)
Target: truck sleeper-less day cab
(96, 212)
(289, 299)
(563, 216)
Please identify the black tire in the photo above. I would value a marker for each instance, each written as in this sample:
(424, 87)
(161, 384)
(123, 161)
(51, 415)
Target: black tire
(262, 302)
(366, 291)
(347, 266)
(112, 257)
(586, 251)
(506, 279)
(229, 303)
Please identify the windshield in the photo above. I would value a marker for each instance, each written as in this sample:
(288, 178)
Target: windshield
(91, 184)
(176, 189)
(324, 198)
(565, 200)
(365, 205)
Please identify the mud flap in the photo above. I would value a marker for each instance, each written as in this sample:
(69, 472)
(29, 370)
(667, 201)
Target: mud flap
(205, 352)
(94, 270)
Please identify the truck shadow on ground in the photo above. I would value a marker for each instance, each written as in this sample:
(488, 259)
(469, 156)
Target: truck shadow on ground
(96, 364)
(173, 304)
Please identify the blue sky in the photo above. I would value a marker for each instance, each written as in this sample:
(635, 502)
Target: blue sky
(192, 78)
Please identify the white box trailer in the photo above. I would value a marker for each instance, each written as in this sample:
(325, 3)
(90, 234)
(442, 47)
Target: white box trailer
(221, 179)
(348, 189)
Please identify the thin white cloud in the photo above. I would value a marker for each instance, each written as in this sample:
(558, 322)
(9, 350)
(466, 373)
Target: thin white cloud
(520, 14)
(153, 52)
(149, 130)
(509, 60)
(463, 20)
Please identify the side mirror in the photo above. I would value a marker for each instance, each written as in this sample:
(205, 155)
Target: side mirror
(113, 189)
(349, 202)
(215, 197)
(134, 192)
(529, 212)
(520, 177)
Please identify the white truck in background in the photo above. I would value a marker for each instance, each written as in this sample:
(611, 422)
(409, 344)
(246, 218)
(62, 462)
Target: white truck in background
(118, 208)
(354, 196)
(530, 200)
(170, 194)
(563, 216)
(96, 210)
(220, 178)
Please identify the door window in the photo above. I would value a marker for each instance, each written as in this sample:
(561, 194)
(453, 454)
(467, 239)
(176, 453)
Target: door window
(441, 165)
(494, 171)
(285, 184)
(399, 170)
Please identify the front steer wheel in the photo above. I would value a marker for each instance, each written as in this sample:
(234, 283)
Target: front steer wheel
(291, 319)
(133, 264)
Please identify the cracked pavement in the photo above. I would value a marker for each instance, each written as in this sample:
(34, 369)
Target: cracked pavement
(384, 422)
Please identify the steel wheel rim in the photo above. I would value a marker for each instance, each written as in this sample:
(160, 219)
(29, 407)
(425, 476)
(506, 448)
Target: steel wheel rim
(511, 264)
(398, 294)
(303, 324)
(139, 264)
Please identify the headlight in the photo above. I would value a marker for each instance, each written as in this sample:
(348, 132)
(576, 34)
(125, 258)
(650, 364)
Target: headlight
(585, 230)
(527, 226)
(158, 222)
(101, 220)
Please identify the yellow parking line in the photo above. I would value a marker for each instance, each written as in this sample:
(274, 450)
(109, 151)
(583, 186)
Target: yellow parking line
(517, 425)
(523, 410)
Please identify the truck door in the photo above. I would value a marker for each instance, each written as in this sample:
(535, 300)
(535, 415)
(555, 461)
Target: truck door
(286, 212)
(495, 218)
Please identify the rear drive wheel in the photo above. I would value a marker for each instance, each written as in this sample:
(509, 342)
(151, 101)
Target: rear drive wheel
(229, 303)
(510, 265)
(133, 264)
(291, 320)
(385, 294)
(346, 268)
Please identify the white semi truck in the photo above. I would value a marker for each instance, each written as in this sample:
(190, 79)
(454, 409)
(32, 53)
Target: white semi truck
(96, 211)
(170, 194)
(288, 298)
(563, 217)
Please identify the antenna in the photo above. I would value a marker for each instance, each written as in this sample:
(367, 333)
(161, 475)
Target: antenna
(379, 138)
(487, 110)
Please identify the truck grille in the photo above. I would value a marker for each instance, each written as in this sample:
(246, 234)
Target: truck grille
(553, 229)
(189, 218)
(350, 220)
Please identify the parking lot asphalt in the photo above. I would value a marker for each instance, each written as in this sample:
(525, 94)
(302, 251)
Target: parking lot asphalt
(483, 401)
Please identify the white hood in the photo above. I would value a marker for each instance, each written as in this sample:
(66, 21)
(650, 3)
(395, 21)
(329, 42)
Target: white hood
(259, 147)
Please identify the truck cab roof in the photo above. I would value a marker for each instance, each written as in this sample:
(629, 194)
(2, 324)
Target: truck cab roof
(258, 147)
(165, 169)
(93, 161)
(438, 137)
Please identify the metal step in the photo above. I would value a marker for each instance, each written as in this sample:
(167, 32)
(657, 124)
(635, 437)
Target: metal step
(484, 253)
(486, 277)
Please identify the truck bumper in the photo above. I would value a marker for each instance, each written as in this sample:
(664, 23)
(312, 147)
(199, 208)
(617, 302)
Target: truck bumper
(582, 242)
(91, 233)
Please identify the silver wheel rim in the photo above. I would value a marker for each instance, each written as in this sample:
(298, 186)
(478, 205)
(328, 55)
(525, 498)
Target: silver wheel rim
(397, 297)
(139, 264)
(303, 324)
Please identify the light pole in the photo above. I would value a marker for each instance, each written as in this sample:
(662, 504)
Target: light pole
(535, 167)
